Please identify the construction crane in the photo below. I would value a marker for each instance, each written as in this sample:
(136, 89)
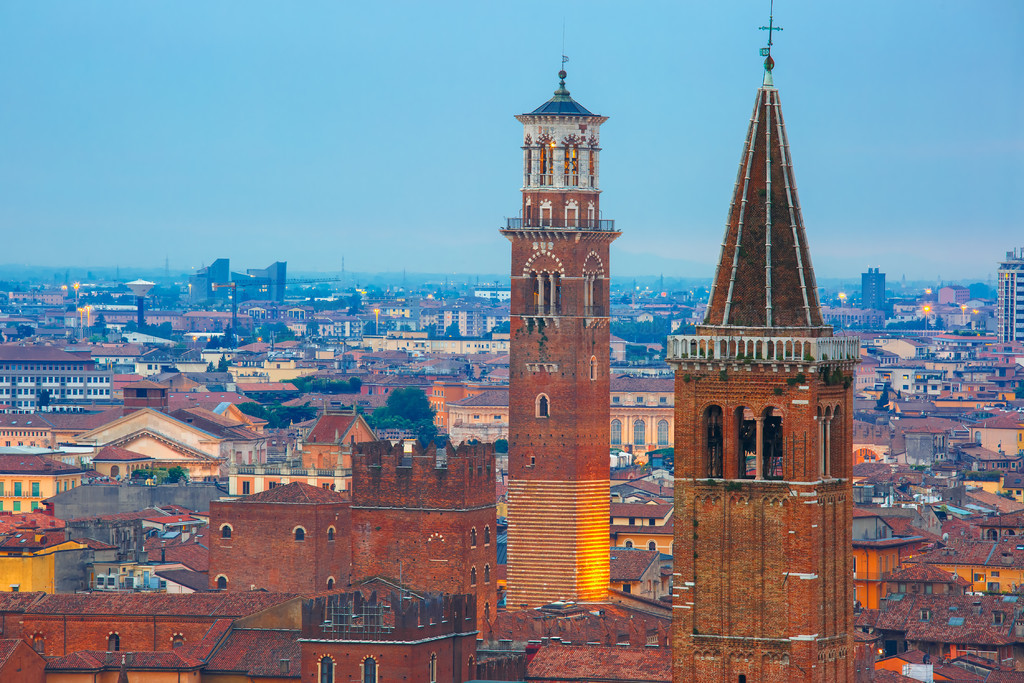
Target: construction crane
(266, 286)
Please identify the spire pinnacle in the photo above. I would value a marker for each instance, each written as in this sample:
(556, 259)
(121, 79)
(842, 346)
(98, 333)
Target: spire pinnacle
(766, 52)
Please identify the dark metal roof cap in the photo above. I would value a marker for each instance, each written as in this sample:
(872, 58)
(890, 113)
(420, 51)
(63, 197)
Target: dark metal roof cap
(562, 104)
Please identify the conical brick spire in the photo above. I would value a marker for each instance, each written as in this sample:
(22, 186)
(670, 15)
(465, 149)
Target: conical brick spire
(764, 277)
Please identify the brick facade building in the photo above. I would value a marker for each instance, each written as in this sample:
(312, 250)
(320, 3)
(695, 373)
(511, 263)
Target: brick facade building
(427, 518)
(389, 638)
(763, 583)
(558, 370)
(294, 537)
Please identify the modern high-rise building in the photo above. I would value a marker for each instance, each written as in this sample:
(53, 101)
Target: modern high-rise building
(201, 285)
(1010, 301)
(763, 585)
(262, 284)
(558, 492)
(872, 290)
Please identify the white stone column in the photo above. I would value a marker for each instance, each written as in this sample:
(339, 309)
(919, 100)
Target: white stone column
(540, 294)
(758, 452)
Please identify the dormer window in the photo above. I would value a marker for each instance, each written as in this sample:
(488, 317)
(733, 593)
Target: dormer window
(926, 615)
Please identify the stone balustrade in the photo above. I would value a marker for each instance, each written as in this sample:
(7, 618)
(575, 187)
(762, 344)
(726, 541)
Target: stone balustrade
(687, 347)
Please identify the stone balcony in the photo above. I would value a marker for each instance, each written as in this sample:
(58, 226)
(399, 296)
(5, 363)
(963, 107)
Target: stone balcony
(779, 349)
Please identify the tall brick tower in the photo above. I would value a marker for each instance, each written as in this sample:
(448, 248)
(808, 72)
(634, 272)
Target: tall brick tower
(558, 400)
(763, 588)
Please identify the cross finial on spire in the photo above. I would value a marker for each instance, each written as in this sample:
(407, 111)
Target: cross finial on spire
(766, 52)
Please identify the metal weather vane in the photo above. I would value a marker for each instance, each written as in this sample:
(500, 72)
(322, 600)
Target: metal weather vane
(766, 52)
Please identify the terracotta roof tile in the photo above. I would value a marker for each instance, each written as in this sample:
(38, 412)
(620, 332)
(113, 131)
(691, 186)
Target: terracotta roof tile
(295, 493)
(599, 662)
(257, 653)
(629, 564)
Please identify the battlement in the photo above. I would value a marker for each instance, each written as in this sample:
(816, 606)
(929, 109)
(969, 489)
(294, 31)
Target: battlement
(407, 475)
(394, 617)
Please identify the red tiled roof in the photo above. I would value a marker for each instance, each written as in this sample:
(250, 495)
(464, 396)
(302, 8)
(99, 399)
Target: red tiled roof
(599, 662)
(257, 653)
(34, 464)
(329, 427)
(647, 510)
(87, 660)
(629, 564)
(116, 454)
(225, 604)
(295, 493)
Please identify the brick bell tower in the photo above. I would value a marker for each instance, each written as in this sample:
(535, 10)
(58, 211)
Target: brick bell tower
(763, 500)
(558, 496)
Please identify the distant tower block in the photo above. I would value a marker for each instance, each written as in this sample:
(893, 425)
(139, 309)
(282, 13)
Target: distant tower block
(763, 590)
(558, 399)
(140, 288)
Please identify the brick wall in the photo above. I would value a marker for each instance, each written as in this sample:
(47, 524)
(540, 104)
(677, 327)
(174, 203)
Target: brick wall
(426, 519)
(262, 552)
(763, 571)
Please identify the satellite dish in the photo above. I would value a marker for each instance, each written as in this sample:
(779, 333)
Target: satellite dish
(945, 538)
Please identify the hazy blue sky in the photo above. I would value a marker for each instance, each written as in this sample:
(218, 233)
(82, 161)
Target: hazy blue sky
(384, 132)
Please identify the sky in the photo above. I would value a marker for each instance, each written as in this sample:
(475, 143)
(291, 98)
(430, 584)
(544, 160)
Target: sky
(383, 133)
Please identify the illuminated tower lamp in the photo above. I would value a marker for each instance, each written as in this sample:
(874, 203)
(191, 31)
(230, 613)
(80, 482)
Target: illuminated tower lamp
(140, 288)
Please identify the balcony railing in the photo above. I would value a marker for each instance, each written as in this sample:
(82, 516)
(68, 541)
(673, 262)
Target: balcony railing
(561, 223)
(588, 311)
(742, 347)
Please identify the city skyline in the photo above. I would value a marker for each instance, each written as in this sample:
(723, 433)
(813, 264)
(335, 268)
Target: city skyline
(385, 135)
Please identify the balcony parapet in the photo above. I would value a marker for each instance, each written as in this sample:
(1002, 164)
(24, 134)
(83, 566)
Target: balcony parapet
(768, 349)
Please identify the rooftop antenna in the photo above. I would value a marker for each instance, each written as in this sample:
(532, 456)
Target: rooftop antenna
(766, 52)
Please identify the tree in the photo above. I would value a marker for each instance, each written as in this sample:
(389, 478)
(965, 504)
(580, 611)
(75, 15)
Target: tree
(452, 331)
(411, 404)
(312, 329)
(176, 474)
(223, 364)
(44, 398)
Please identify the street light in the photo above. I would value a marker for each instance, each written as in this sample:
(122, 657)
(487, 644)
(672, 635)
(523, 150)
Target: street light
(376, 321)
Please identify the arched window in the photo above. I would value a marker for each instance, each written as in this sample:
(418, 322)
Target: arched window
(487, 535)
(330, 583)
(330, 533)
(616, 432)
(547, 163)
(629, 544)
(543, 409)
(487, 573)
(326, 670)
(432, 668)
(639, 433)
(593, 368)
(662, 432)
(113, 643)
(369, 670)
(300, 534)
(38, 643)
(472, 576)
(222, 582)
(177, 641)
(225, 531)
(472, 537)
(571, 167)
(651, 545)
